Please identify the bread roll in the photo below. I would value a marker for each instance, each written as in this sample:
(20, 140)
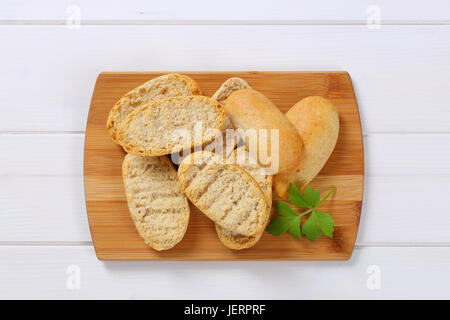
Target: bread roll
(224, 192)
(235, 240)
(158, 208)
(168, 85)
(317, 121)
(249, 109)
(167, 126)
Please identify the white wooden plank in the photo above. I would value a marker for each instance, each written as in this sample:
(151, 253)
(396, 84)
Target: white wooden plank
(399, 155)
(41, 155)
(400, 73)
(403, 273)
(41, 188)
(42, 195)
(201, 10)
(43, 209)
(405, 209)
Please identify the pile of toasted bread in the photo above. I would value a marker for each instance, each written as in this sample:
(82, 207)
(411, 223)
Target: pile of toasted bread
(232, 150)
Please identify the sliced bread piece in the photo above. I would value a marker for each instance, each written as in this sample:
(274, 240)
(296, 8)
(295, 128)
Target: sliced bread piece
(228, 142)
(224, 192)
(158, 208)
(169, 85)
(167, 126)
(222, 144)
(228, 87)
(235, 240)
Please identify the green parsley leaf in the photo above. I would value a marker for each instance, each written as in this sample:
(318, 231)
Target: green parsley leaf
(318, 222)
(296, 197)
(312, 196)
(284, 209)
(311, 228)
(326, 223)
(279, 225)
(290, 222)
(294, 228)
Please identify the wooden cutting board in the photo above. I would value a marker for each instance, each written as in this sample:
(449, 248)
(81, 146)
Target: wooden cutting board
(113, 231)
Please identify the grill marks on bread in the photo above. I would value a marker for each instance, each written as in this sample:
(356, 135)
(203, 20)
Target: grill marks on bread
(224, 192)
(230, 238)
(158, 208)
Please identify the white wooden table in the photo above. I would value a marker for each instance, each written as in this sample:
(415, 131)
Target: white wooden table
(397, 53)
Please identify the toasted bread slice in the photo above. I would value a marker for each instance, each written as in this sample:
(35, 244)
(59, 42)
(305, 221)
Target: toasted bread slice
(228, 87)
(235, 240)
(167, 126)
(224, 192)
(169, 85)
(226, 145)
(221, 145)
(158, 208)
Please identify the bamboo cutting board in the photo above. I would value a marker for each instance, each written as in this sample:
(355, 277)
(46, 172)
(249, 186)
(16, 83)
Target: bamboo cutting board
(113, 232)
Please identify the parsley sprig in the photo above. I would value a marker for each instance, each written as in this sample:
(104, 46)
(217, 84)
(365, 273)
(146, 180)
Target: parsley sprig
(290, 221)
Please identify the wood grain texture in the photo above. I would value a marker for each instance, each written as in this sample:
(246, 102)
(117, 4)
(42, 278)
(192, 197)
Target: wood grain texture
(113, 231)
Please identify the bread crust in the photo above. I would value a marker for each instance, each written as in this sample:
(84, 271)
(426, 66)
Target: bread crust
(225, 193)
(228, 87)
(235, 240)
(143, 130)
(250, 109)
(159, 210)
(168, 85)
(317, 121)
(221, 95)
